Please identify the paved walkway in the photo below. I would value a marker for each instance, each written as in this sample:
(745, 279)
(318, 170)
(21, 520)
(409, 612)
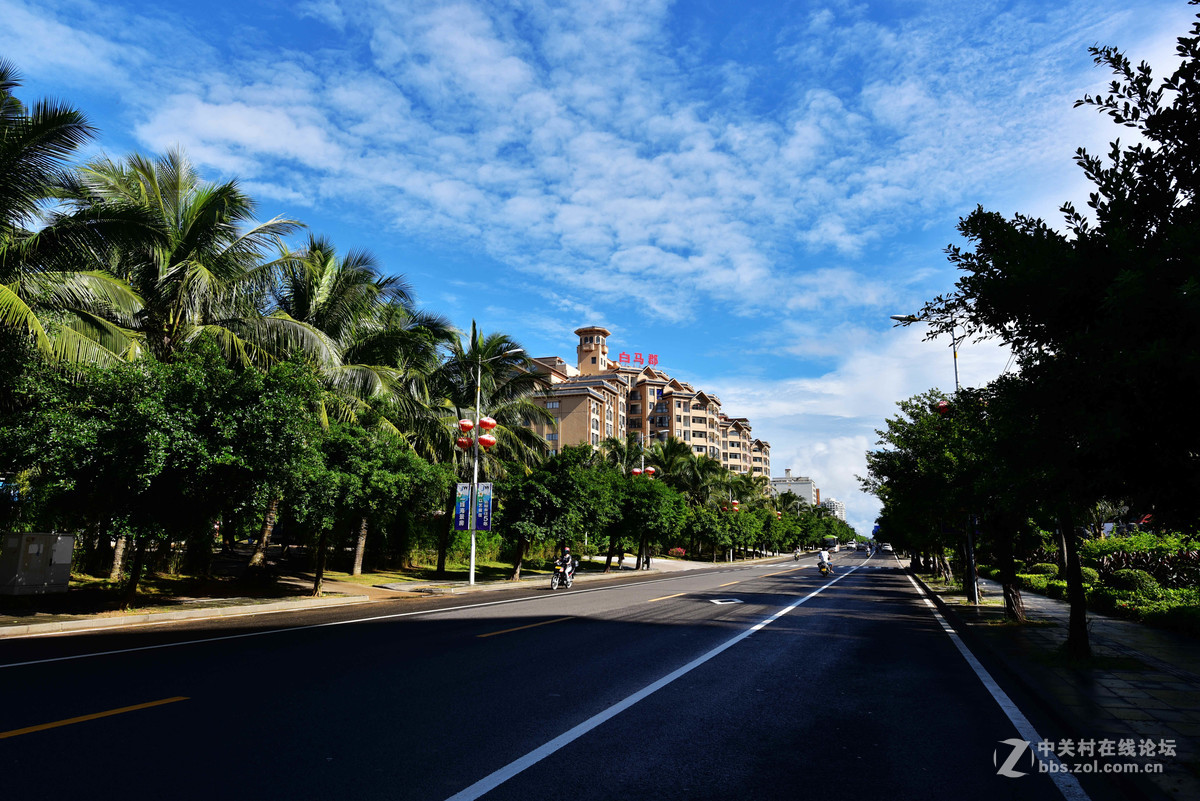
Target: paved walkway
(23, 624)
(1142, 684)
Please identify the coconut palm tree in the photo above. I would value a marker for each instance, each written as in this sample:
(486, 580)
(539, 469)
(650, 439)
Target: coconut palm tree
(202, 269)
(387, 348)
(46, 290)
(623, 454)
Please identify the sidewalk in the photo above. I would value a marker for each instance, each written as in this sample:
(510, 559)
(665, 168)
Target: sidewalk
(1141, 684)
(336, 594)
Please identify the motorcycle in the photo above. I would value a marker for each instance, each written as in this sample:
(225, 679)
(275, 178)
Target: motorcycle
(563, 574)
(796, 556)
(825, 568)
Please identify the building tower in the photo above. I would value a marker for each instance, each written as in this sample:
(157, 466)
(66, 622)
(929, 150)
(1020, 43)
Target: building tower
(592, 351)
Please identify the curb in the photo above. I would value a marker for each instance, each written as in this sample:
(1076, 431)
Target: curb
(93, 624)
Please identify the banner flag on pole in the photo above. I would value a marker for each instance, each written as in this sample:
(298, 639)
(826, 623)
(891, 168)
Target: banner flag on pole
(462, 506)
(483, 507)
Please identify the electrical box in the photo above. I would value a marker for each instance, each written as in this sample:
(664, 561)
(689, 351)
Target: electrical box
(32, 564)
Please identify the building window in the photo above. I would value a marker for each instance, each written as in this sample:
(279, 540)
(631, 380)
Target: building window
(595, 439)
(635, 408)
(593, 360)
(595, 424)
(635, 422)
(552, 405)
(635, 394)
(552, 437)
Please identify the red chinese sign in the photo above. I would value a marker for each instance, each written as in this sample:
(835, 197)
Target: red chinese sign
(651, 359)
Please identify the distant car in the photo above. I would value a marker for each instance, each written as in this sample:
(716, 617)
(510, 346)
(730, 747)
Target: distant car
(862, 546)
(886, 548)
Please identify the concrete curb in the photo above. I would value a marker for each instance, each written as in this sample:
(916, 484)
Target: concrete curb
(93, 624)
(200, 613)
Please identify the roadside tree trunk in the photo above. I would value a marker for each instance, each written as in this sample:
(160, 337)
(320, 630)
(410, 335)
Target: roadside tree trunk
(1014, 604)
(319, 574)
(612, 551)
(360, 548)
(258, 559)
(118, 563)
(1078, 644)
(522, 545)
(135, 574)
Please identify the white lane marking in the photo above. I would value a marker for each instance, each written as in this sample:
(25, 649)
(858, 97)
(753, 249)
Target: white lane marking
(495, 779)
(373, 619)
(1066, 783)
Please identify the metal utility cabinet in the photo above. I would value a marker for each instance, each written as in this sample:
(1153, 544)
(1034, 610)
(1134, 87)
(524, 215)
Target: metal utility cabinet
(32, 564)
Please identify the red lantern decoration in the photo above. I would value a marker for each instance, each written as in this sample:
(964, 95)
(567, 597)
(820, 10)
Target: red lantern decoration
(465, 425)
(487, 440)
(487, 423)
(943, 408)
(464, 442)
(649, 471)
(637, 471)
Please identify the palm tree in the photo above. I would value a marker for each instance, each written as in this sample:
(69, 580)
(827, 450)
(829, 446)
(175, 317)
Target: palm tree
(623, 454)
(387, 349)
(673, 458)
(44, 293)
(202, 267)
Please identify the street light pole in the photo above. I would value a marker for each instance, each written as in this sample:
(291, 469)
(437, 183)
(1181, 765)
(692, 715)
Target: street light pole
(954, 338)
(479, 361)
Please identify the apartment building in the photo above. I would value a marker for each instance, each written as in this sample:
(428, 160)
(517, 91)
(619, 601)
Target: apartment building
(835, 507)
(598, 397)
(802, 486)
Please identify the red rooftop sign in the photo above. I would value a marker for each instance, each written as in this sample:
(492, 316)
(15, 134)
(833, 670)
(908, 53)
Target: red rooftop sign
(651, 358)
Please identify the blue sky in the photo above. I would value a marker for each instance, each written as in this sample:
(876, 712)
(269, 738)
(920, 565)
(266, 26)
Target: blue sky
(746, 189)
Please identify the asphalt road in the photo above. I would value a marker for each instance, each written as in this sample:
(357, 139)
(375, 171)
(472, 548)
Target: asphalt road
(766, 682)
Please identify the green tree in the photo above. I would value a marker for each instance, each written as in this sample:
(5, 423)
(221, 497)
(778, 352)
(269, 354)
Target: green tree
(1101, 316)
(47, 292)
(201, 269)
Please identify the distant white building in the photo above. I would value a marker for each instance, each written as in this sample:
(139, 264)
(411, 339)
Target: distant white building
(800, 485)
(836, 507)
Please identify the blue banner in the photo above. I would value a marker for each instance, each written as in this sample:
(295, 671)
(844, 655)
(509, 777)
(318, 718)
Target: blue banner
(462, 506)
(483, 507)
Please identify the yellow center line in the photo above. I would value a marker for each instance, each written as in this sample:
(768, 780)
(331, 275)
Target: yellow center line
(521, 628)
(665, 597)
(728, 583)
(94, 716)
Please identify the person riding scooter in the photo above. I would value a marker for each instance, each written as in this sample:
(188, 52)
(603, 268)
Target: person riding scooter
(823, 562)
(568, 562)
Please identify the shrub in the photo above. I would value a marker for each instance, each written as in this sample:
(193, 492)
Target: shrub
(1056, 589)
(1043, 569)
(678, 553)
(1090, 575)
(1032, 583)
(1131, 579)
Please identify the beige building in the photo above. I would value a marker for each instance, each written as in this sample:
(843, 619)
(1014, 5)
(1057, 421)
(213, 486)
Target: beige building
(599, 398)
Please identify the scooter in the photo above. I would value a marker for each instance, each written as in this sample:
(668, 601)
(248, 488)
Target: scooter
(796, 555)
(563, 574)
(825, 568)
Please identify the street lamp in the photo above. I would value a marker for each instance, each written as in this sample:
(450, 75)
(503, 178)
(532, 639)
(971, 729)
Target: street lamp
(954, 338)
(487, 440)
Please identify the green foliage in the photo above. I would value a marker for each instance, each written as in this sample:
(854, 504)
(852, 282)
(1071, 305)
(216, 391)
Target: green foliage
(1034, 583)
(1043, 569)
(1090, 575)
(1132, 580)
